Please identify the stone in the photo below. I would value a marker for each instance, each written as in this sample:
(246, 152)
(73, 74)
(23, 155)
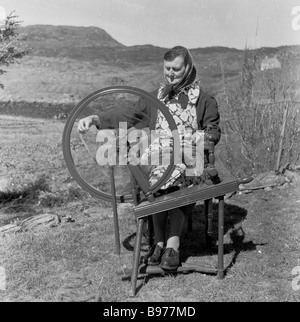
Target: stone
(288, 180)
(285, 185)
(272, 179)
(39, 222)
(263, 180)
(10, 228)
(293, 176)
(268, 189)
(242, 187)
(98, 213)
(4, 183)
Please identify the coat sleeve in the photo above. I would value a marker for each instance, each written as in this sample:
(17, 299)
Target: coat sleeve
(134, 114)
(209, 117)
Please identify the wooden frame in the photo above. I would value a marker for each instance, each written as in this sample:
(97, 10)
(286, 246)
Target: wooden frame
(174, 200)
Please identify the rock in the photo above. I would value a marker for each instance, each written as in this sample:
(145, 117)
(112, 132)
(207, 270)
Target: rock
(288, 180)
(98, 213)
(4, 183)
(264, 180)
(229, 195)
(11, 228)
(40, 222)
(293, 176)
(246, 191)
(77, 288)
(123, 209)
(272, 179)
(268, 189)
(285, 185)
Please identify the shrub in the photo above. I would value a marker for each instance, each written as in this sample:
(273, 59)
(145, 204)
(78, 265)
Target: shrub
(10, 47)
(21, 195)
(253, 112)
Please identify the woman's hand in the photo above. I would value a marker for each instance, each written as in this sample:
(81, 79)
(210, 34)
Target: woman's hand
(85, 123)
(197, 137)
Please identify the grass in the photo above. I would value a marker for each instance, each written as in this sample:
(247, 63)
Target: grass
(261, 249)
(76, 261)
(261, 241)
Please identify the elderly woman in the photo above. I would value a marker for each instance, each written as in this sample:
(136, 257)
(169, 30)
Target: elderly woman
(192, 110)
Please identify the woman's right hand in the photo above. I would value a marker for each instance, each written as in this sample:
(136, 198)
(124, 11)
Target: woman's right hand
(85, 123)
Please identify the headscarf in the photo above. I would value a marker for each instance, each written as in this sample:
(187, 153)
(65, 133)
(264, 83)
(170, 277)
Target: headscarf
(169, 91)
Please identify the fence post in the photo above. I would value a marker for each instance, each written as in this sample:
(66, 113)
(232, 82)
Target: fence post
(281, 138)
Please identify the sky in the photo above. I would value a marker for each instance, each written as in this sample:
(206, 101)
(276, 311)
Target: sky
(167, 23)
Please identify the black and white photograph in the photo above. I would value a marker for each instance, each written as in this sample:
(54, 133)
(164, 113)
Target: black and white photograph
(150, 153)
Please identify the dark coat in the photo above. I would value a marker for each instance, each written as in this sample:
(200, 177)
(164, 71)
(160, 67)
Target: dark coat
(141, 115)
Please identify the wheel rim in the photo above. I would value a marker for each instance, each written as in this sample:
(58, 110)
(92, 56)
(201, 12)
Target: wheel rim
(69, 127)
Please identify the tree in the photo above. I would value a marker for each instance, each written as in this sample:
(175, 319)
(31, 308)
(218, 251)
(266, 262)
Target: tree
(11, 48)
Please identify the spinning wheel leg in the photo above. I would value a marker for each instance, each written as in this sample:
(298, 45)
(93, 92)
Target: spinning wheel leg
(150, 232)
(136, 257)
(115, 211)
(208, 211)
(221, 238)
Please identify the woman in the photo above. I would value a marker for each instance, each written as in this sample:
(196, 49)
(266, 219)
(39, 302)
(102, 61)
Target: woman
(192, 110)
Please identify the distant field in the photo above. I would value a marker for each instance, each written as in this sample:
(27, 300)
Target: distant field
(28, 146)
(65, 81)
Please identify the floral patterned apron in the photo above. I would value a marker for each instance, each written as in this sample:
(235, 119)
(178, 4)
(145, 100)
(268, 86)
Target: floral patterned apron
(159, 150)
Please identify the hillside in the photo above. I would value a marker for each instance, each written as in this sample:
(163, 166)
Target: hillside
(93, 43)
(65, 63)
(44, 36)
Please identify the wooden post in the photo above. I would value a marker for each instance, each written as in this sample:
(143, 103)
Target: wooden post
(281, 138)
(115, 210)
(221, 238)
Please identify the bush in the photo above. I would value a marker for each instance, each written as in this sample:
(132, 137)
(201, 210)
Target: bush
(253, 112)
(20, 196)
(10, 47)
(50, 199)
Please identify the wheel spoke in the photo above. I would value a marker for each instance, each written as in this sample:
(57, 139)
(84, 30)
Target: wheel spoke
(80, 150)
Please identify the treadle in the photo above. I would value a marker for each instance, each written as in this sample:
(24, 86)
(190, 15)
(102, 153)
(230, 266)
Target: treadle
(177, 199)
(185, 197)
(146, 271)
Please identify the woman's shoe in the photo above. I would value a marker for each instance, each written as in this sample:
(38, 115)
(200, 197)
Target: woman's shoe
(155, 258)
(170, 259)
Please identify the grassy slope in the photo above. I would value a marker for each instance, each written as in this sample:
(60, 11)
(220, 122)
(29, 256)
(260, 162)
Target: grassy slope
(64, 80)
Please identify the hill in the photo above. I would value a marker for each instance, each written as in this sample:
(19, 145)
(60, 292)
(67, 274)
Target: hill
(65, 63)
(48, 37)
(93, 43)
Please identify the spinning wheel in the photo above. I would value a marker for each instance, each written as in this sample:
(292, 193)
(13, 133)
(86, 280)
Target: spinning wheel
(80, 150)
(108, 182)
